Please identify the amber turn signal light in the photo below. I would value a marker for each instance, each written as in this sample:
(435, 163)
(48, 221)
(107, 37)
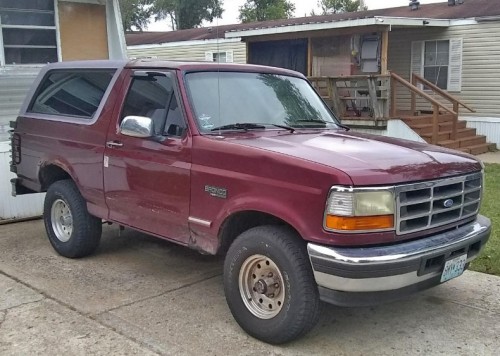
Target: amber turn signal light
(354, 223)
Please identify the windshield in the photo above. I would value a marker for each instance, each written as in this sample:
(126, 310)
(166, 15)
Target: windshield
(222, 99)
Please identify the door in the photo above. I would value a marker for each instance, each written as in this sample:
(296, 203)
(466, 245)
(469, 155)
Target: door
(147, 180)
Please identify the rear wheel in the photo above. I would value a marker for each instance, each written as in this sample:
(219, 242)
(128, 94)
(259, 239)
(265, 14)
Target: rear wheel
(269, 285)
(72, 231)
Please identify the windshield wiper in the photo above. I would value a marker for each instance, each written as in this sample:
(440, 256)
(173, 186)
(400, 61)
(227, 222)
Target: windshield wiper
(289, 128)
(342, 126)
(239, 126)
(317, 121)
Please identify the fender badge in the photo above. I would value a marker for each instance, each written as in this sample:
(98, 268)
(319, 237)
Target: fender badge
(216, 191)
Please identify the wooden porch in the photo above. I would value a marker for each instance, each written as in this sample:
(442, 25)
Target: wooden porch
(371, 100)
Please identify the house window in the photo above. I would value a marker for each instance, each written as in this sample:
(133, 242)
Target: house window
(27, 31)
(219, 57)
(436, 62)
(439, 61)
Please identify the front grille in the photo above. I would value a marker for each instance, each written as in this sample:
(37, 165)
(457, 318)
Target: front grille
(426, 205)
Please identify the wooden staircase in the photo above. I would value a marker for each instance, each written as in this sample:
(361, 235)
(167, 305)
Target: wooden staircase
(369, 101)
(441, 126)
(466, 139)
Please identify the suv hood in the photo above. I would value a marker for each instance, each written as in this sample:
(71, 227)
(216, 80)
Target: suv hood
(368, 159)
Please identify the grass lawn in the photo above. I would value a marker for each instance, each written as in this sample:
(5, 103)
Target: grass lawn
(489, 261)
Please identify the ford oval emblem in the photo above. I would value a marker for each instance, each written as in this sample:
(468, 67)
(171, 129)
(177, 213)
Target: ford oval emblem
(448, 203)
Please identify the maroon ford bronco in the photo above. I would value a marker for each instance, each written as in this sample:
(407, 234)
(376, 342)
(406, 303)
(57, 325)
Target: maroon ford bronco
(246, 161)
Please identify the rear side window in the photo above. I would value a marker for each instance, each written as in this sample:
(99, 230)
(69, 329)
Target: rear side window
(71, 93)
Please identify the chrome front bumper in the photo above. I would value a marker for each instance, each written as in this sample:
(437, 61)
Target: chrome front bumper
(370, 275)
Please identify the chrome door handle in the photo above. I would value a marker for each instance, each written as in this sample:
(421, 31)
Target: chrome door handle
(112, 144)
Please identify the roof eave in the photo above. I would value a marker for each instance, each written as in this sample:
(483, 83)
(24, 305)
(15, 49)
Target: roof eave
(378, 20)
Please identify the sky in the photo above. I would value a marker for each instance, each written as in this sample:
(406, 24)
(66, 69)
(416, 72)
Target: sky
(302, 8)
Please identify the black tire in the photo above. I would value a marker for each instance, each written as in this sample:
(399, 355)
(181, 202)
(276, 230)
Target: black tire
(72, 231)
(281, 318)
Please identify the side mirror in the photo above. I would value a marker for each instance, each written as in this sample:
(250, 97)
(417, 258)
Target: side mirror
(137, 126)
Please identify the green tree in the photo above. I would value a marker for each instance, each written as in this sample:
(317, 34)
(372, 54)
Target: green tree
(337, 6)
(263, 10)
(135, 14)
(185, 14)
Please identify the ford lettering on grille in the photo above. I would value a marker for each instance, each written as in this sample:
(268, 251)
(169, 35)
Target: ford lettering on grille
(432, 204)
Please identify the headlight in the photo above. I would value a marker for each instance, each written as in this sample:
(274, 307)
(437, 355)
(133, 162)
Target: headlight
(354, 210)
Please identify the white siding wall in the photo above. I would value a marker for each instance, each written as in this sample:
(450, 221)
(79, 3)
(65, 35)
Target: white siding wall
(23, 206)
(481, 63)
(14, 84)
(190, 50)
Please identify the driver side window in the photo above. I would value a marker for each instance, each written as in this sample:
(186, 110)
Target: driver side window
(153, 96)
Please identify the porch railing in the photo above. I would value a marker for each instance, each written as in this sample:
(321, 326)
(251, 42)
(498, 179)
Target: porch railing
(375, 96)
(356, 95)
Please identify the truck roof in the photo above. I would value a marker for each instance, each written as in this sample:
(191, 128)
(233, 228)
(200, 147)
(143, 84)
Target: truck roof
(166, 64)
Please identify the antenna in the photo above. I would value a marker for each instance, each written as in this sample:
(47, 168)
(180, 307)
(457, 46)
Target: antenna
(219, 124)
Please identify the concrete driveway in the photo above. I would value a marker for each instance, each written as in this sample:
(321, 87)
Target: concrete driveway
(139, 295)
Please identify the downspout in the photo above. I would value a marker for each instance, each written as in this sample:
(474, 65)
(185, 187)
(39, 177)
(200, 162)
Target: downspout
(117, 47)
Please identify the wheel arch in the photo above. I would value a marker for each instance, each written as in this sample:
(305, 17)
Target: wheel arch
(243, 220)
(50, 173)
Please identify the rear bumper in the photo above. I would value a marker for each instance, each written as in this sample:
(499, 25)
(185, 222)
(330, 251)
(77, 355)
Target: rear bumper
(371, 275)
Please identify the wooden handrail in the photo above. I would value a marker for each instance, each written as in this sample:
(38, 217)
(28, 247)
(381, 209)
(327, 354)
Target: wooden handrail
(435, 105)
(441, 92)
(420, 93)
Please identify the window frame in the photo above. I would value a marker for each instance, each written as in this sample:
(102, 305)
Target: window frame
(32, 27)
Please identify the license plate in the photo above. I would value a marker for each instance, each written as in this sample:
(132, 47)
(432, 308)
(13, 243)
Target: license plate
(453, 268)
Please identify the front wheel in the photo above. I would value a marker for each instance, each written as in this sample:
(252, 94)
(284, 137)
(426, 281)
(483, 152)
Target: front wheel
(72, 231)
(269, 285)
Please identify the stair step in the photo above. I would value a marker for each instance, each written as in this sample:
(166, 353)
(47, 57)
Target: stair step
(478, 149)
(445, 135)
(445, 126)
(464, 133)
(427, 119)
(442, 136)
(472, 141)
(454, 144)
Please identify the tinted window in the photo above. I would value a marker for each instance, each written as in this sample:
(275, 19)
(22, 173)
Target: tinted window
(227, 98)
(75, 93)
(153, 97)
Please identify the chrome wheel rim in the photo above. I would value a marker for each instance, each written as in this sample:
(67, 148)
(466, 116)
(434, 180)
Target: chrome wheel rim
(261, 286)
(62, 220)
